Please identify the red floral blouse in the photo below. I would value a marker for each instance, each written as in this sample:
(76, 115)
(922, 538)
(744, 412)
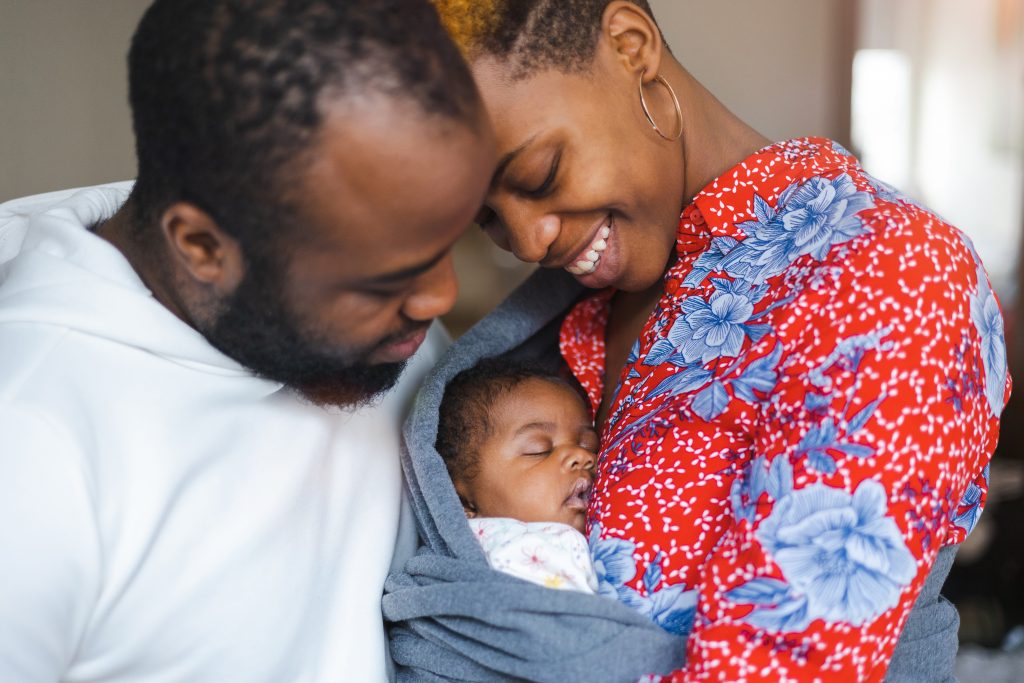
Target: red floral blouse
(805, 419)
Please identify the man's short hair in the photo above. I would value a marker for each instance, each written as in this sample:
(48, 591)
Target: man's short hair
(528, 35)
(227, 96)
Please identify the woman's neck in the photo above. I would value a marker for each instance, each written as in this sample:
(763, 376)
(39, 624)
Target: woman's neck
(714, 139)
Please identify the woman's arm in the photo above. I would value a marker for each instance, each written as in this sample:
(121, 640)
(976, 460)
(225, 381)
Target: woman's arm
(871, 455)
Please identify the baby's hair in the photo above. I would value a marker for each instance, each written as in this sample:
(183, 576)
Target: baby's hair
(530, 35)
(465, 414)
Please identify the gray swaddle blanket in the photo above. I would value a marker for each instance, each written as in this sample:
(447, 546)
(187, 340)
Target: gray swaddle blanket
(453, 618)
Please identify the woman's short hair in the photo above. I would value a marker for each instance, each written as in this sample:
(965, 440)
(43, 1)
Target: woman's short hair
(529, 35)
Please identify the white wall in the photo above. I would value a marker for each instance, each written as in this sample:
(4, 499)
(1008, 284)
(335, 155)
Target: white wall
(780, 65)
(966, 148)
(64, 118)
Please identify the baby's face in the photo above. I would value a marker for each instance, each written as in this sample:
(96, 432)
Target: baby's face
(537, 463)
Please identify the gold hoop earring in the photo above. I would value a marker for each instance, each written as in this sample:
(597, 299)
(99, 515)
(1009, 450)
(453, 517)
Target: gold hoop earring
(675, 101)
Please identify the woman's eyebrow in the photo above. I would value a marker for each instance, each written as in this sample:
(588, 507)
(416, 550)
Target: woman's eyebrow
(507, 159)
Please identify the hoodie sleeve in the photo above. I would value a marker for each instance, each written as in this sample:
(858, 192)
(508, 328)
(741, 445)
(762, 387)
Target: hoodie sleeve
(50, 572)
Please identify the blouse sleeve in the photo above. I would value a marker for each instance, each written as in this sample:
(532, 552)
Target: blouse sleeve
(870, 454)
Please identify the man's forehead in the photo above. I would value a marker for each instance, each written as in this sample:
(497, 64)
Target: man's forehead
(386, 176)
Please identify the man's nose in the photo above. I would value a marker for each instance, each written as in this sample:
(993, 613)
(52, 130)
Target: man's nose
(435, 292)
(530, 233)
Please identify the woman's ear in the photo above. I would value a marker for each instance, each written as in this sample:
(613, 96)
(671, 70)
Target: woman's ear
(201, 248)
(633, 37)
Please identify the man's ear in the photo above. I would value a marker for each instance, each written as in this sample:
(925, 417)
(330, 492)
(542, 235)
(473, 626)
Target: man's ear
(633, 37)
(201, 248)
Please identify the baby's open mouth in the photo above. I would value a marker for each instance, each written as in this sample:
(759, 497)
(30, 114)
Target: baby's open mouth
(579, 496)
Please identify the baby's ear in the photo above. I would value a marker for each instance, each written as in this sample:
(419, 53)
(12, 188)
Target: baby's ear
(467, 506)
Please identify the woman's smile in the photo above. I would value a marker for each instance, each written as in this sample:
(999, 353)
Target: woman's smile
(586, 260)
(600, 263)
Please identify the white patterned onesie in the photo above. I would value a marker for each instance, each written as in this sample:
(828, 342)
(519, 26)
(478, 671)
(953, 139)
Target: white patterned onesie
(549, 554)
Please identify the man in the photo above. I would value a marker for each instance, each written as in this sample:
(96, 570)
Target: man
(195, 484)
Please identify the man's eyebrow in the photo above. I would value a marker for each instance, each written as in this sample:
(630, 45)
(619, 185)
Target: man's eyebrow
(406, 273)
(529, 426)
(507, 159)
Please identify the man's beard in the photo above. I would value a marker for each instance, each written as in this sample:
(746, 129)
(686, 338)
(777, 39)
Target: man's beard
(256, 329)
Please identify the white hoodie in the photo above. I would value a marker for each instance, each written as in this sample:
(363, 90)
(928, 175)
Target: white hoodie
(164, 514)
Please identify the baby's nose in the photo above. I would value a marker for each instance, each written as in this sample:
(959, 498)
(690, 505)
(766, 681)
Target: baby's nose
(579, 458)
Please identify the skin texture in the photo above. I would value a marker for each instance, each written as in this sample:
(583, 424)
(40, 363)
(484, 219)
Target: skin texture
(610, 163)
(541, 444)
(384, 197)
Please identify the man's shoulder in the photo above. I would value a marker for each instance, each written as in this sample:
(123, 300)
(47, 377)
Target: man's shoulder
(30, 204)
(15, 214)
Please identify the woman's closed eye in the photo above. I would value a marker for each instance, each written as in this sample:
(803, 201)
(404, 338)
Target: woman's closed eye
(545, 188)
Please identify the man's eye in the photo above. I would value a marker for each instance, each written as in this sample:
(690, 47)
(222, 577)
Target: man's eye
(538, 452)
(384, 293)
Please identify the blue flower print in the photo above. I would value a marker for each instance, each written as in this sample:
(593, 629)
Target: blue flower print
(672, 607)
(613, 562)
(717, 327)
(839, 149)
(842, 553)
(965, 515)
(823, 213)
(809, 219)
(989, 322)
(760, 477)
(713, 328)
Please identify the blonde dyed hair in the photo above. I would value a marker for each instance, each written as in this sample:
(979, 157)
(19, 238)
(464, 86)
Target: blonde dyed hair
(528, 35)
(468, 22)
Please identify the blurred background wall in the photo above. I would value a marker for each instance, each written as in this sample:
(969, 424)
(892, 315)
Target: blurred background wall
(64, 119)
(930, 94)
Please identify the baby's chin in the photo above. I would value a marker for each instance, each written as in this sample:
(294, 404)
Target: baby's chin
(578, 521)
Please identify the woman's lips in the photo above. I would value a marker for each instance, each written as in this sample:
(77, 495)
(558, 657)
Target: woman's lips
(587, 261)
(607, 270)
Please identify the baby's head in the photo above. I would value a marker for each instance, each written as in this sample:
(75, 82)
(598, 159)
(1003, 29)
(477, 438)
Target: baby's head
(518, 442)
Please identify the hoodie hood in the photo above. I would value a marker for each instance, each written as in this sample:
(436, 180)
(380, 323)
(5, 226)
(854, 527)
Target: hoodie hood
(55, 271)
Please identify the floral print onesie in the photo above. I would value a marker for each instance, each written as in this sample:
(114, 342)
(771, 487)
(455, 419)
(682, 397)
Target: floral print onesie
(805, 419)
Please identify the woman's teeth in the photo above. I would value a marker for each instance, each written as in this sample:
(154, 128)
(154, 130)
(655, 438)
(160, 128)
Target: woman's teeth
(588, 264)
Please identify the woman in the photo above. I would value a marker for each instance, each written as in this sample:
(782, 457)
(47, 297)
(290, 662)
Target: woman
(797, 372)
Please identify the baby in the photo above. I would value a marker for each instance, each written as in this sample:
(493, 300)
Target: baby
(520, 447)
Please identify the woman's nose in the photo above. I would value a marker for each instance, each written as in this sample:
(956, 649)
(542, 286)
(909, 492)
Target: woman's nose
(529, 234)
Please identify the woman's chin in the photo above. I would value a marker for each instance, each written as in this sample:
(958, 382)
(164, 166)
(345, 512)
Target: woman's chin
(596, 280)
